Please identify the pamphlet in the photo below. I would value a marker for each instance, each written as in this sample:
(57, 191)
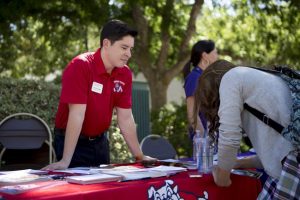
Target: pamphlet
(21, 179)
(169, 170)
(20, 176)
(93, 178)
(21, 188)
(250, 173)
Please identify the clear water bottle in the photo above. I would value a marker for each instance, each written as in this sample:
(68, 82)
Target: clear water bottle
(196, 144)
(205, 155)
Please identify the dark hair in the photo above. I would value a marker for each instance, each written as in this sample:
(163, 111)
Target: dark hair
(207, 97)
(115, 30)
(197, 50)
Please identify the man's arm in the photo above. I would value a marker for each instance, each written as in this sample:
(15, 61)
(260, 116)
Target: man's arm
(190, 107)
(128, 129)
(74, 125)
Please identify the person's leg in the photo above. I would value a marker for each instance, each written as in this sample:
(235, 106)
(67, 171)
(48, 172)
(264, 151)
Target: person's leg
(91, 153)
(87, 152)
(102, 153)
(58, 144)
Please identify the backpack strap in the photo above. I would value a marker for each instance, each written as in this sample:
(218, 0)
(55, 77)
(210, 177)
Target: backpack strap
(264, 118)
(280, 70)
(287, 71)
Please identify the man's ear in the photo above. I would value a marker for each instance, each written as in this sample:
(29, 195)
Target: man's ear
(106, 43)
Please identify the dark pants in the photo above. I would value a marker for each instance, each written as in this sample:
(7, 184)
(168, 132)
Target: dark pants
(88, 153)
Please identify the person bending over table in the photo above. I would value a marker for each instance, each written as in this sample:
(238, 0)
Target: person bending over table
(222, 90)
(93, 85)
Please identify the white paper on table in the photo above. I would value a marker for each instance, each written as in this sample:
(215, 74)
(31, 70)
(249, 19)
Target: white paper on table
(75, 171)
(170, 160)
(168, 169)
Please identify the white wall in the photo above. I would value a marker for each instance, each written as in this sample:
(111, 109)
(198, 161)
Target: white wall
(175, 92)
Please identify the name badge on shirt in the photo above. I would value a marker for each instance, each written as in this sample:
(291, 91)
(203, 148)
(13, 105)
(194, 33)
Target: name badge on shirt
(97, 87)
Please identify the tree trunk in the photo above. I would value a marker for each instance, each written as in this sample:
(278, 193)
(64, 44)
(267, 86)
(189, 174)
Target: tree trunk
(86, 37)
(156, 65)
(158, 92)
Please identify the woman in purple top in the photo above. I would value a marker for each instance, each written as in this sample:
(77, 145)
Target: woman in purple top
(203, 53)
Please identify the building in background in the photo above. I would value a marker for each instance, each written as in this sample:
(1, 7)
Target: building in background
(175, 92)
(141, 102)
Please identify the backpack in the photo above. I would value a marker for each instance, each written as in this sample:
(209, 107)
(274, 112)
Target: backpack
(292, 131)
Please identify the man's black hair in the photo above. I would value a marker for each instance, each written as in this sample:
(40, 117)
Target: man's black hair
(115, 30)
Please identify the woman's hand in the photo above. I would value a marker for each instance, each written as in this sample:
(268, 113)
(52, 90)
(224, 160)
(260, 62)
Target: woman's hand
(221, 177)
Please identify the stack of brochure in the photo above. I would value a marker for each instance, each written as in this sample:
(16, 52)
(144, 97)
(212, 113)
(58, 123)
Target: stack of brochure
(24, 187)
(169, 170)
(250, 173)
(93, 178)
(20, 176)
(86, 175)
(123, 173)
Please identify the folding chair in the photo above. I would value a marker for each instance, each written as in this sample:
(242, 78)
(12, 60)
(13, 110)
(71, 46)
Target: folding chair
(158, 147)
(24, 131)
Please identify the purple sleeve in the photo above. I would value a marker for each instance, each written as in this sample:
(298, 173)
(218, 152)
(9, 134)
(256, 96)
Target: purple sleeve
(190, 84)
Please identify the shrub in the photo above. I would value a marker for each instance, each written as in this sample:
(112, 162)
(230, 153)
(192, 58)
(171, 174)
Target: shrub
(119, 152)
(171, 122)
(36, 97)
(41, 98)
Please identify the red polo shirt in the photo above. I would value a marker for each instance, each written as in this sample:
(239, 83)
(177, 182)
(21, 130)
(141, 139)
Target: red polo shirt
(85, 81)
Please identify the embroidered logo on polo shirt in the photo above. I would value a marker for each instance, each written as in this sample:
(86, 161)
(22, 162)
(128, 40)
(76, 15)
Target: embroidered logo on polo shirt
(97, 87)
(118, 86)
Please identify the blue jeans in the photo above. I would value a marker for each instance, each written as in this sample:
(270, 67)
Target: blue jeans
(88, 153)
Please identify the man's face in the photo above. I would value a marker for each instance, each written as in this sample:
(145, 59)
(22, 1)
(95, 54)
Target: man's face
(119, 52)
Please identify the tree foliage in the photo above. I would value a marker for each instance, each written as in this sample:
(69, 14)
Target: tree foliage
(50, 33)
(170, 122)
(255, 32)
(165, 30)
(39, 37)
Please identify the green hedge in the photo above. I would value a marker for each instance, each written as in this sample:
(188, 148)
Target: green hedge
(171, 122)
(41, 98)
(36, 97)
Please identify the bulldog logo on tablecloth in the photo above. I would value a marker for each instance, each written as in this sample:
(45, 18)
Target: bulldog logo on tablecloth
(169, 192)
(165, 192)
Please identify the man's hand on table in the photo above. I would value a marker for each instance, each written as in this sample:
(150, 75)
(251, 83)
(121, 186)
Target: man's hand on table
(145, 159)
(57, 165)
(221, 177)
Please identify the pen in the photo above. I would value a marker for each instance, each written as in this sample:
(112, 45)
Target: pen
(126, 180)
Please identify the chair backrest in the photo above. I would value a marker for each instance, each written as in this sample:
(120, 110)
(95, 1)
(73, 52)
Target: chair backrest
(158, 147)
(25, 131)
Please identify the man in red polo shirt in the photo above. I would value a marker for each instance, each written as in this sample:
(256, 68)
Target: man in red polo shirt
(93, 85)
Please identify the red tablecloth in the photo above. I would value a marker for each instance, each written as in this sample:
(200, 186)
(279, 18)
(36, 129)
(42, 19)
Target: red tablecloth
(179, 186)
